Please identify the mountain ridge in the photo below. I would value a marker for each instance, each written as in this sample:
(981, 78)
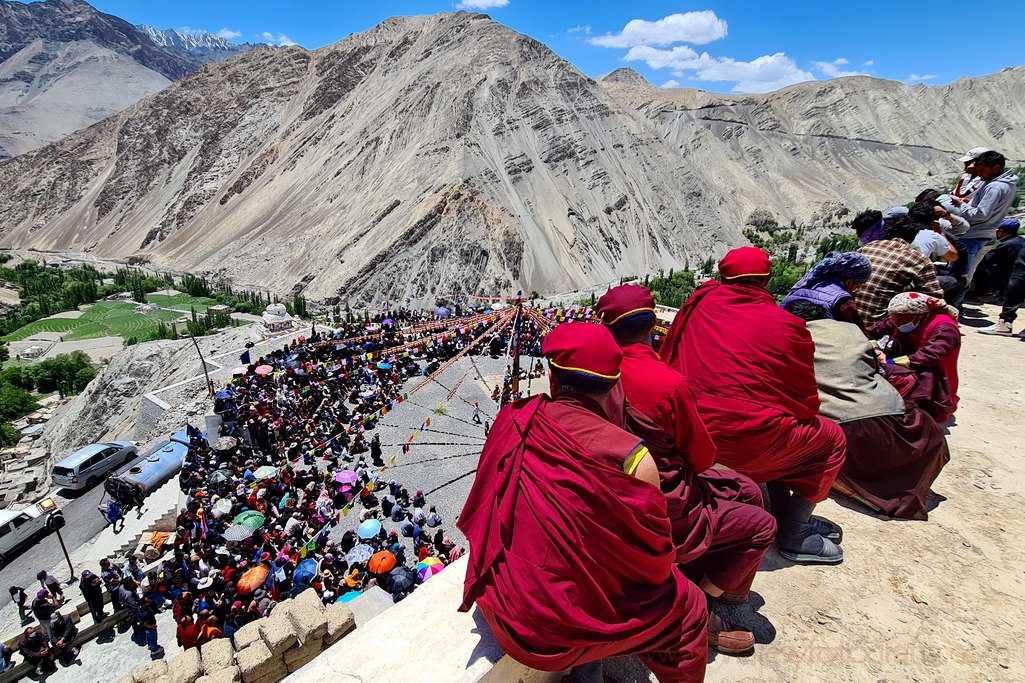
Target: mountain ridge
(451, 154)
(65, 65)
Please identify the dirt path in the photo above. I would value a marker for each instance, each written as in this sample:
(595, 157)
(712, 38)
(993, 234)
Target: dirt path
(940, 600)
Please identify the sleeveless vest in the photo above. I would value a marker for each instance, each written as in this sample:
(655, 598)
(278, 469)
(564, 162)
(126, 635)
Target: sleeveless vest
(828, 293)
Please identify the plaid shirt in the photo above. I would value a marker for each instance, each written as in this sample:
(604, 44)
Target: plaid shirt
(896, 267)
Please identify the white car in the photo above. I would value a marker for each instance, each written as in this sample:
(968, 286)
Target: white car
(88, 465)
(19, 527)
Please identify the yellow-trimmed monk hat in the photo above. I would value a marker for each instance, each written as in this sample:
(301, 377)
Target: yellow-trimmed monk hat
(625, 303)
(745, 262)
(584, 349)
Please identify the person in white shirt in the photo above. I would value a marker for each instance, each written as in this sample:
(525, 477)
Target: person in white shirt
(930, 240)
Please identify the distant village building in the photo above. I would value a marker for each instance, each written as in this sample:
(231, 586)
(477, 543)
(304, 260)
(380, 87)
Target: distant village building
(220, 308)
(32, 352)
(146, 308)
(276, 318)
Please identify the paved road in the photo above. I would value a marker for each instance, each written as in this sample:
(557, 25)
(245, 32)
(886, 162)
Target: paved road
(83, 523)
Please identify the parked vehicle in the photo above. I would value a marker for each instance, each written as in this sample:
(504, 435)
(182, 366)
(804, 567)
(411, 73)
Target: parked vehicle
(18, 527)
(130, 484)
(88, 465)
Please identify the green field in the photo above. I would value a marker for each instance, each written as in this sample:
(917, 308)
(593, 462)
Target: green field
(181, 302)
(103, 319)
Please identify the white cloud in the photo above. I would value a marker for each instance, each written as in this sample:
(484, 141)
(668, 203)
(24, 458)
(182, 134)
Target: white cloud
(690, 27)
(228, 34)
(832, 69)
(189, 31)
(915, 77)
(670, 84)
(869, 62)
(764, 74)
(482, 4)
(280, 40)
(586, 30)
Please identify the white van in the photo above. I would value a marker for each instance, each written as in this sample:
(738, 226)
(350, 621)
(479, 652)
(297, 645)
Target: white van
(88, 465)
(18, 527)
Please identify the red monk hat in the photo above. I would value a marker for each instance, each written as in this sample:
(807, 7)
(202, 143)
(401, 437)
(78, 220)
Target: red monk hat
(584, 349)
(625, 303)
(745, 262)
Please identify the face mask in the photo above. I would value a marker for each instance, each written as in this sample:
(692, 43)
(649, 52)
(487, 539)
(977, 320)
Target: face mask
(907, 327)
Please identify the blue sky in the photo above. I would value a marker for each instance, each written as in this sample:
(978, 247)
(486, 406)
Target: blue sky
(724, 46)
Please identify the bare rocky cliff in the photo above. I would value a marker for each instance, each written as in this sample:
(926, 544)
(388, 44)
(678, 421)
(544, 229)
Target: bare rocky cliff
(449, 154)
(65, 65)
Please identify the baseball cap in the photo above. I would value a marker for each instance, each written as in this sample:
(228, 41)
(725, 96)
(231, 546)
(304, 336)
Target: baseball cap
(973, 153)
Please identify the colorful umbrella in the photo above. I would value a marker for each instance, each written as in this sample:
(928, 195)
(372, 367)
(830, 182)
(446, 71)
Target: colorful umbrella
(348, 597)
(368, 529)
(384, 366)
(238, 532)
(225, 443)
(252, 579)
(223, 506)
(382, 562)
(360, 553)
(346, 477)
(429, 567)
(250, 518)
(266, 472)
(264, 369)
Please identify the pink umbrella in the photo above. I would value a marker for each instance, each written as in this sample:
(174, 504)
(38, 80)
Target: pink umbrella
(346, 477)
(264, 369)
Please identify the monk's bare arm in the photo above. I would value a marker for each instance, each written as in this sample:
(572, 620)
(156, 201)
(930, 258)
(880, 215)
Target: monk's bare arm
(647, 470)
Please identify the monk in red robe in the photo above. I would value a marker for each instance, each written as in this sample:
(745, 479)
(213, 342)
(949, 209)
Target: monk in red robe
(720, 528)
(571, 552)
(752, 366)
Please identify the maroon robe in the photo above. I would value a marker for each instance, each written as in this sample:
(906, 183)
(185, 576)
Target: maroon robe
(751, 365)
(720, 528)
(571, 559)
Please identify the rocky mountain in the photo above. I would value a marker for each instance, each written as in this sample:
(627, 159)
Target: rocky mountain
(64, 66)
(450, 154)
(202, 47)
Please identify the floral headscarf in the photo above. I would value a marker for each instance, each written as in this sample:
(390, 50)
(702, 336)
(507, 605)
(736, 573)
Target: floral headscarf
(847, 265)
(914, 303)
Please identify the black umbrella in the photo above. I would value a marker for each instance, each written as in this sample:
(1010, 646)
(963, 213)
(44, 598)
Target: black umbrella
(400, 579)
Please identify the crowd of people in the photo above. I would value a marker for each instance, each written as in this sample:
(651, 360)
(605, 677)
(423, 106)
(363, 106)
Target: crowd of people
(846, 386)
(291, 494)
(297, 461)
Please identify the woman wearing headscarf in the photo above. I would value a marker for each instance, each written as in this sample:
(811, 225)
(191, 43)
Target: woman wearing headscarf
(831, 284)
(919, 345)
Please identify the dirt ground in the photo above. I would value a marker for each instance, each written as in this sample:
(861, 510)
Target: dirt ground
(939, 600)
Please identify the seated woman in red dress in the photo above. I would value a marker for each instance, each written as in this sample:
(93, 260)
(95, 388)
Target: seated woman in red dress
(919, 345)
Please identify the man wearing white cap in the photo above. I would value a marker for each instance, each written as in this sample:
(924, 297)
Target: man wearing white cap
(969, 182)
(988, 206)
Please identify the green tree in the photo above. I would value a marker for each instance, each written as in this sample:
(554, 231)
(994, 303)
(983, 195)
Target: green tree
(9, 436)
(83, 377)
(15, 402)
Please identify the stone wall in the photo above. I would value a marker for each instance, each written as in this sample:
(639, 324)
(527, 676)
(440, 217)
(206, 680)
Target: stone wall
(151, 409)
(265, 651)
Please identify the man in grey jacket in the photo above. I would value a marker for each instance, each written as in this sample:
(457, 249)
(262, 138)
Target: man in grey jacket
(988, 206)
